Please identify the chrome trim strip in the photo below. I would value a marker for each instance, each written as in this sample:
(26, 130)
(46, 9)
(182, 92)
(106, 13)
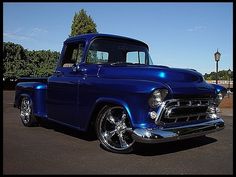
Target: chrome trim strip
(160, 111)
(159, 135)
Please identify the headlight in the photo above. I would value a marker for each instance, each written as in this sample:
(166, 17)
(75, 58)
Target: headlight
(157, 97)
(219, 98)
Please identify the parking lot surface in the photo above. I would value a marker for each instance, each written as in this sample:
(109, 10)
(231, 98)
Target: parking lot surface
(53, 149)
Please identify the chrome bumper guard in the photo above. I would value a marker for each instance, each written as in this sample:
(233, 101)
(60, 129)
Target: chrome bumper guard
(159, 135)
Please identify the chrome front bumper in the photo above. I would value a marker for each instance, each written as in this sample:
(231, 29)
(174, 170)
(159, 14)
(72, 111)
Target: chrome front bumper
(159, 135)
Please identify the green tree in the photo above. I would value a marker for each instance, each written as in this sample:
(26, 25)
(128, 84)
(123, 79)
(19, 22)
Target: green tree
(222, 75)
(19, 62)
(14, 60)
(82, 24)
(41, 63)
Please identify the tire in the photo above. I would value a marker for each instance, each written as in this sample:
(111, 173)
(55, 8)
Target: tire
(113, 129)
(26, 116)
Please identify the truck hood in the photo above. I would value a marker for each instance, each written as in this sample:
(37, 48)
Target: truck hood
(180, 81)
(152, 73)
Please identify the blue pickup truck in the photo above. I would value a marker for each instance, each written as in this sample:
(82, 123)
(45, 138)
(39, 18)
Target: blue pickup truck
(109, 82)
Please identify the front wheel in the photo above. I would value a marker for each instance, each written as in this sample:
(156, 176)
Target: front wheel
(27, 118)
(113, 129)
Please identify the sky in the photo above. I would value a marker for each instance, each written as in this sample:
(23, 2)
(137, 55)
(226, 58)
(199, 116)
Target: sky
(180, 35)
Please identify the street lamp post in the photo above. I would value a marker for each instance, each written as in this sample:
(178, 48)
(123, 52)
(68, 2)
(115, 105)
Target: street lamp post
(217, 58)
(229, 73)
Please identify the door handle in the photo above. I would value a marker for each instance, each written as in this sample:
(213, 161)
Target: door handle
(58, 73)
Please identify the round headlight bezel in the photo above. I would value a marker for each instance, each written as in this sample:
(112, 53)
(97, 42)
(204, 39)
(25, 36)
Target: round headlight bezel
(157, 97)
(219, 98)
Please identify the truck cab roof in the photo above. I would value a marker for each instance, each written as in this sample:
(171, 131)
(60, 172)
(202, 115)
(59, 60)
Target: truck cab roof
(90, 36)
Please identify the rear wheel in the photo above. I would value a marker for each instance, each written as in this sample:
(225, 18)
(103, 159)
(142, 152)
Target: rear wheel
(113, 129)
(27, 118)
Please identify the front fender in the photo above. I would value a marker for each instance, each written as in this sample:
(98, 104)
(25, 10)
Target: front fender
(219, 88)
(113, 101)
(133, 95)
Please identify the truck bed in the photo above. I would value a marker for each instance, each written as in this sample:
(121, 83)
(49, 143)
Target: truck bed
(33, 79)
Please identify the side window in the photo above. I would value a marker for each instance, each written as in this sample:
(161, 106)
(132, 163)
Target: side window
(73, 54)
(135, 57)
(96, 57)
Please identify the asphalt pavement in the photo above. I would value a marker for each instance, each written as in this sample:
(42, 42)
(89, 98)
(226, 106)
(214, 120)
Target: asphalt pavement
(53, 149)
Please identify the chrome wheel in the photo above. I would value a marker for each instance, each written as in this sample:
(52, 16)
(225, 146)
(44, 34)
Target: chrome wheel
(114, 129)
(26, 112)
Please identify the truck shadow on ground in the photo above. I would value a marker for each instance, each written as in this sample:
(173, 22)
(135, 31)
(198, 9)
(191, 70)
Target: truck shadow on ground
(172, 147)
(87, 136)
(140, 148)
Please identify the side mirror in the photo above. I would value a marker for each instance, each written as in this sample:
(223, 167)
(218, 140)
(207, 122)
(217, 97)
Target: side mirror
(75, 67)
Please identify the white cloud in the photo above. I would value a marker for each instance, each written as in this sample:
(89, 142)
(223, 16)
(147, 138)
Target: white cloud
(197, 28)
(36, 31)
(16, 36)
(20, 34)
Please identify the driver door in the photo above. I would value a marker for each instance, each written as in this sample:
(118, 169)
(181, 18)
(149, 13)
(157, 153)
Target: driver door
(63, 86)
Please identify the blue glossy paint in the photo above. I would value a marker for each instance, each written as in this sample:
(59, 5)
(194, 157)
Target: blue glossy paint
(71, 97)
(219, 88)
(36, 91)
(162, 74)
(39, 87)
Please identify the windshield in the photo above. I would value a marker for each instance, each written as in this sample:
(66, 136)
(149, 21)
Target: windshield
(117, 51)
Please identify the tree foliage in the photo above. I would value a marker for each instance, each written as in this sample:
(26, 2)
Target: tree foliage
(42, 62)
(19, 62)
(82, 24)
(14, 60)
(222, 75)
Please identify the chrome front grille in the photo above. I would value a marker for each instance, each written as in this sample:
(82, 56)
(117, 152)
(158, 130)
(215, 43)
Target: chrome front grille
(177, 110)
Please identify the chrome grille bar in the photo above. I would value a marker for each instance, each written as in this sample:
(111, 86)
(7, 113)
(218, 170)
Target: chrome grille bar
(190, 115)
(182, 110)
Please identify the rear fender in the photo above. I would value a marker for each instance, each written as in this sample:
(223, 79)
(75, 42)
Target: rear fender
(36, 92)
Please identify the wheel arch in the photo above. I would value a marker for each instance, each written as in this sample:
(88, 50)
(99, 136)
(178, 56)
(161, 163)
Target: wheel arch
(101, 102)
